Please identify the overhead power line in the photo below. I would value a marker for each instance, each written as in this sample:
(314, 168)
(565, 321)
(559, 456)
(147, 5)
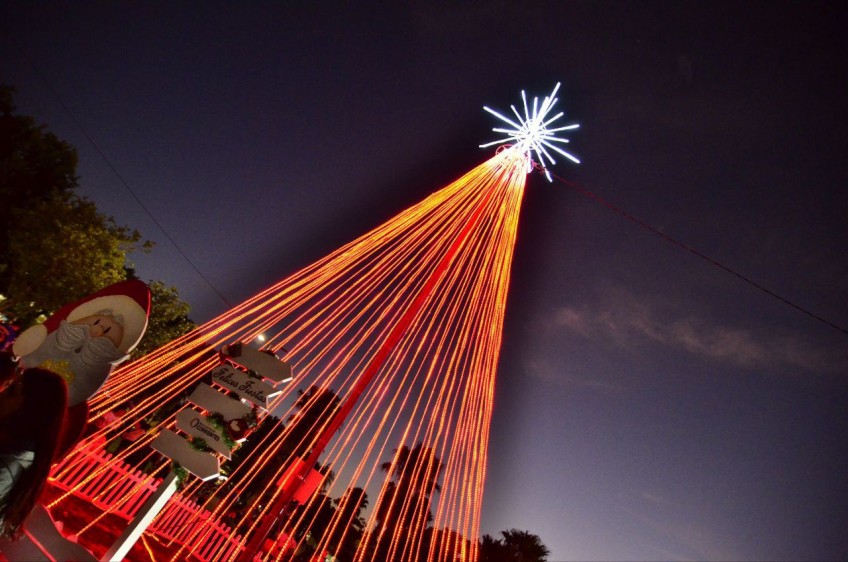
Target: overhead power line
(590, 195)
(120, 177)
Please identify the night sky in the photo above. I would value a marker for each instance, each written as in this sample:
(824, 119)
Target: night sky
(649, 404)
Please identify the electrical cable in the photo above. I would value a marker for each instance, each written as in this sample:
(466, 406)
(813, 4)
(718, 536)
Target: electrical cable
(590, 195)
(119, 176)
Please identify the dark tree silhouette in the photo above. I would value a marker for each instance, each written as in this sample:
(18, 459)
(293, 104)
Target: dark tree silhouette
(515, 546)
(493, 550)
(413, 476)
(415, 470)
(316, 408)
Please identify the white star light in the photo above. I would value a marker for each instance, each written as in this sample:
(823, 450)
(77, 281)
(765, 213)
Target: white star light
(531, 133)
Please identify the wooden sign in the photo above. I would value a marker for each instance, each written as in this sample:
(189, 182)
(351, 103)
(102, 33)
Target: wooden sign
(265, 364)
(203, 465)
(217, 402)
(194, 423)
(249, 388)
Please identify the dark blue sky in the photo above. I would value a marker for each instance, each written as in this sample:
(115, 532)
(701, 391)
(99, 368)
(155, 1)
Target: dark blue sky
(650, 405)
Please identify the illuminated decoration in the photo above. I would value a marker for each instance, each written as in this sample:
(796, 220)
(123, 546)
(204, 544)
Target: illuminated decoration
(532, 131)
(394, 341)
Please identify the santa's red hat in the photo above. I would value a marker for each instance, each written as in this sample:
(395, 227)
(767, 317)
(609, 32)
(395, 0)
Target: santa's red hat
(129, 299)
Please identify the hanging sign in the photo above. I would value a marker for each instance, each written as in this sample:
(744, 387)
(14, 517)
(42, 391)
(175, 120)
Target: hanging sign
(217, 402)
(249, 388)
(194, 423)
(236, 415)
(261, 362)
(203, 465)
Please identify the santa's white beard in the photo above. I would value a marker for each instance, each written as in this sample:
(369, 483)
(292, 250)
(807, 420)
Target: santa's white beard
(90, 360)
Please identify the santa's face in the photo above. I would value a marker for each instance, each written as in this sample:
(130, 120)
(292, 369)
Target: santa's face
(102, 326)
(83, 360)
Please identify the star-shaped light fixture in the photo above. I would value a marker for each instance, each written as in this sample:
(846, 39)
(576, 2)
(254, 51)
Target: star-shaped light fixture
(532, 132)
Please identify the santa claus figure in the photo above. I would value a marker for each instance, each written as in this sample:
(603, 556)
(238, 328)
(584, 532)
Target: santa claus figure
(61, 364)
(84, 341)
(237, 429)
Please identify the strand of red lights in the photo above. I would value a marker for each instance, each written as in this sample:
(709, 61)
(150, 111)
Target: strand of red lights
(403, 325)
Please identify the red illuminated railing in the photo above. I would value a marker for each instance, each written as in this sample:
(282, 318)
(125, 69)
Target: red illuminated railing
(122, 491)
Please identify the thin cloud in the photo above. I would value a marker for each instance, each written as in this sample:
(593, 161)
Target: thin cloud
(629, 322)
(653, 498)
(544, 371)
(573, 320)
(696, 540)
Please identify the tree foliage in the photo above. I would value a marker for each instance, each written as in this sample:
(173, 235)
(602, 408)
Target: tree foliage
(34, 163)
(35, 167)
(55, 246)
(61, 250)
(515, 546)
(416, 470)
(168, 318)
(404, 509)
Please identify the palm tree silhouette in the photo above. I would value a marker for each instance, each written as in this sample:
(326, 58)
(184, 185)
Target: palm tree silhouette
(404, 509)
(516, 546)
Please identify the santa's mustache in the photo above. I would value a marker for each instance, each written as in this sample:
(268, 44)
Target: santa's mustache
(77, 338)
